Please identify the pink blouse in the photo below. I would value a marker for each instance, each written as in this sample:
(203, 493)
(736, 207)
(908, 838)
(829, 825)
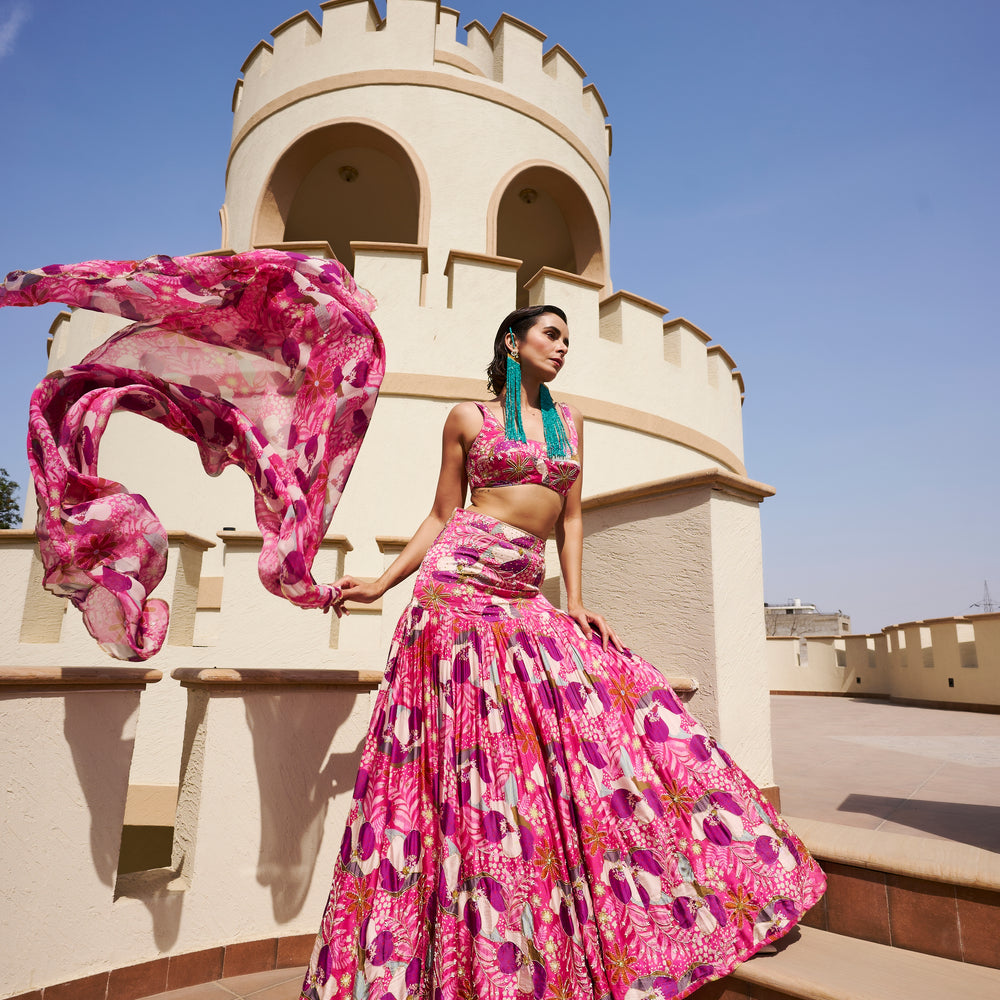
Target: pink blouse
(495, 461)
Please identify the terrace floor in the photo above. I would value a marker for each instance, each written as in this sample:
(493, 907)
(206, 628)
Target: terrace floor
(925, 772)
(862, 762)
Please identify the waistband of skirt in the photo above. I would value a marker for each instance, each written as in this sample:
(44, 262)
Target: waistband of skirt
(465, 517)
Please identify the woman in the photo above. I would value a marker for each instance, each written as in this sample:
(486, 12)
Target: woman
(535, 813)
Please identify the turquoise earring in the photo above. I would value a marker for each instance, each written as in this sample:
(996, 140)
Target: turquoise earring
(556, 442)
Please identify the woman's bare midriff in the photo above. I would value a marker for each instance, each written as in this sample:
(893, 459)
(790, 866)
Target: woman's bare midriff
(528, 506)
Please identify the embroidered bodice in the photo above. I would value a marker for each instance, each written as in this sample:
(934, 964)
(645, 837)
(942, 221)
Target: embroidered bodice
(495, 461)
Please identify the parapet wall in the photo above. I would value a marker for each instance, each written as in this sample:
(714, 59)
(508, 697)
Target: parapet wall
(647, 374)
(419, 36)
(632, 375)
(940, 661)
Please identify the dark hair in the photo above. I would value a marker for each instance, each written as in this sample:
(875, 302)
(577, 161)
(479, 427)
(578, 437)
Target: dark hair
(519, 322)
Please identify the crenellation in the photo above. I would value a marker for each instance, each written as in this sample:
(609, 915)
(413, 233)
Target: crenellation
(410, 29)
(351, 15)
(579, 297)
(291, 40)
(617, 338)
(447, 24)
(720, 366)
(475, 279)
(723, 375)
(683, 341)
(399, 268)
(670, 369)
(417, 36)
(258, 62)
(302, 27)
(517, 53)
(559, 64)
(593, 101)
(479, 48)
(636, 323)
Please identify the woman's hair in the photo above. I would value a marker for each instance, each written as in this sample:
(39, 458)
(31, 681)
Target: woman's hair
(518, 323)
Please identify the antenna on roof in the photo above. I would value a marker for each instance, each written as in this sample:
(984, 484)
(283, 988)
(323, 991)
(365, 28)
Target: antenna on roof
(987, 604)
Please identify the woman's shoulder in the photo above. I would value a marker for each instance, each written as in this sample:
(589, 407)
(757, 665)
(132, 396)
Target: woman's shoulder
(465, 420)
(466, 412)
(572, 411)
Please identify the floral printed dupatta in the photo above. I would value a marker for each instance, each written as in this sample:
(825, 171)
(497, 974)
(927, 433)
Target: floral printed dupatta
(266, 360)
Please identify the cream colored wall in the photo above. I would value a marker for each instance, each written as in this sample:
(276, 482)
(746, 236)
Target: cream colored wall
(824, 667)
(268, 774)
(740, 668)
(64, 765)
(678, 573)
(914, 661)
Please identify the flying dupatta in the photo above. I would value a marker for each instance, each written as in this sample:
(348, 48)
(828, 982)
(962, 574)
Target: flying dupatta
(266, 360)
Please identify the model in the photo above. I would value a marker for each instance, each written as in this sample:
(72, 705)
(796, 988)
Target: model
(536, 814)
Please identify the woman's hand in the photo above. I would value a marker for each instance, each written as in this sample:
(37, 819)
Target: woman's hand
(351, 589)
(588, 622)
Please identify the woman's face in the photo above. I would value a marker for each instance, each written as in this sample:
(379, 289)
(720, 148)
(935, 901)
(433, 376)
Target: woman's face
(544, 347)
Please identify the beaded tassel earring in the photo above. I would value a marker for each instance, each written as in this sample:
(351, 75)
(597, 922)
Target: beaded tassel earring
(512, 401)
(556, 442)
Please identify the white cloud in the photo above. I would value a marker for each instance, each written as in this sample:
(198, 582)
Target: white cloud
(11, 22)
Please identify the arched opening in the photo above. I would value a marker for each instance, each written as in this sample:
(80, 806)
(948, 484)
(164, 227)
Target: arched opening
(545, 220)
(342, 182)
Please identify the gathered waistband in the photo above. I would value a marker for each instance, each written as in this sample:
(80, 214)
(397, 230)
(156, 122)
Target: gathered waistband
(501, 529)
(479, 565)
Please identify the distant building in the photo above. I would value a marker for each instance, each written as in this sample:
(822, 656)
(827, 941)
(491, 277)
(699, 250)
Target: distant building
(796, 618)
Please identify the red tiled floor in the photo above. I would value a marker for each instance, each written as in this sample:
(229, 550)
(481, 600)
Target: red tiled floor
(275, 984)
(245, 986)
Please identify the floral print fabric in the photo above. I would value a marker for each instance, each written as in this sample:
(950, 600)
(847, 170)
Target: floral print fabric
(266, 360)
(493, 460)
(537, 819)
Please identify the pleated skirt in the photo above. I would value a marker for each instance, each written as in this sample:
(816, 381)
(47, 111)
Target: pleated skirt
(535, 817)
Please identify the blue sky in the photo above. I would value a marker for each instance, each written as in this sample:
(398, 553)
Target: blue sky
(813, 184)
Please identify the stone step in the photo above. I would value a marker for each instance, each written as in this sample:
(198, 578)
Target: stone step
(933, 896)
(819, 965)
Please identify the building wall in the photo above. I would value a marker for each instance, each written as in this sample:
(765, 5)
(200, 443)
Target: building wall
(948, 661)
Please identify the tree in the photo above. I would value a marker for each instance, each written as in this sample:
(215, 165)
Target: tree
(10, 508)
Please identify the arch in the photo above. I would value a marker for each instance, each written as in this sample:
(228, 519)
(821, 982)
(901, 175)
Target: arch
(540, 215)
(343, 181)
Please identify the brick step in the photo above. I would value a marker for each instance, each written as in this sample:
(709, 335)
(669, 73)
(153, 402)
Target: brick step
(819, 965)
(937, 897)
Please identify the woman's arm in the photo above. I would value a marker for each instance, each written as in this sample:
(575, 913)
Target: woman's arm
(460, 428)
(569, 541)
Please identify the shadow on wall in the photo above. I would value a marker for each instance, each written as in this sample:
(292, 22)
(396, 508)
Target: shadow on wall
(965, 823)
(93, 728)
(292, 736)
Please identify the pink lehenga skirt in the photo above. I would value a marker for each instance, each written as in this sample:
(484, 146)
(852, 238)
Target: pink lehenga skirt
(537, 818)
